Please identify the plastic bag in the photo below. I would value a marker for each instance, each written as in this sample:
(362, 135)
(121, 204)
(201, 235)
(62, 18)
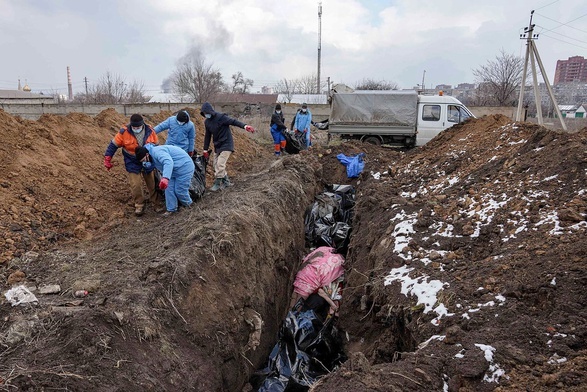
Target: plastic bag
(20, 295)
(354, 164)
(308, 348)
(327, 221)
(161, 192)
(198, 182)
(295, 142)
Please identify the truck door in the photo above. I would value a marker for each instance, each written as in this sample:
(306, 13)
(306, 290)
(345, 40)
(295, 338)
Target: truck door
(431, 120)
(457, 114)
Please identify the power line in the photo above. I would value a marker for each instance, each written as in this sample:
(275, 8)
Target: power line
(544, 6)
(564, 24)
(568, 43)
(562, 35)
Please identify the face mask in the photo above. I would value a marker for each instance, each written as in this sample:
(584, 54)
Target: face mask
(180, 123)
(278, 111)
(303, 110)
(147, 165)
(208, 115)
(137, 130)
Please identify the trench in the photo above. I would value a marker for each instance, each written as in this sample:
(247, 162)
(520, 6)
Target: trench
(395, 325)
(178, 299)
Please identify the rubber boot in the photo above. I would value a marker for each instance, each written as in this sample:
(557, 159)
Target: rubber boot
(226, 181)
(217, 184)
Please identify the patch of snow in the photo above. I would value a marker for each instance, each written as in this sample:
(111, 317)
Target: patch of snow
(440, 338)
(423, 289)
(494, 372)
(556, 359)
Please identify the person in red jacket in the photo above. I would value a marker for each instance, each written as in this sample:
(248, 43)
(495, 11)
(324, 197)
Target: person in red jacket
(129, 138)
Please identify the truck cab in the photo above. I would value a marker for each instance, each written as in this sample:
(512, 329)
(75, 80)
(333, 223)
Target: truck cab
(437, 113)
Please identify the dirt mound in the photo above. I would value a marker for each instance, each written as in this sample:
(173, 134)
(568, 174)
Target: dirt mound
(55, 187)
(465, 271)
(493, 214)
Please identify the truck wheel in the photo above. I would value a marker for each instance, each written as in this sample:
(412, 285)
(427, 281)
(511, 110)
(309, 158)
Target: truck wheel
(372, 140)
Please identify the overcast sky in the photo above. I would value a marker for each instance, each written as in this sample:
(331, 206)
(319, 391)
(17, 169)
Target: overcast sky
(268, 40)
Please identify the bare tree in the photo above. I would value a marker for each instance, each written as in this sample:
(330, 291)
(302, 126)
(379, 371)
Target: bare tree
(135, 93)
(307, 84)
(110, 89)
(113, 89)
(240, 85)
(196, 78)
(286, 87)
(371, 84)
(500, 79)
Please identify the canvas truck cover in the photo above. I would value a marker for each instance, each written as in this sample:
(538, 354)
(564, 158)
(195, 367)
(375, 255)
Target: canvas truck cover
(386, 108)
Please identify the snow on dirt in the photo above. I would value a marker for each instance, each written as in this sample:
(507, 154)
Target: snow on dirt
(465, 271)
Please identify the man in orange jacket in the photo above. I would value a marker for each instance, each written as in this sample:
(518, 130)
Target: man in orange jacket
(129, 138)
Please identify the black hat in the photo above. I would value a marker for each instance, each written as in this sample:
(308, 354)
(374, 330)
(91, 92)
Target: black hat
(141, 152)
(278, 107)
(182, 116)
(304, 105)
(136, 120)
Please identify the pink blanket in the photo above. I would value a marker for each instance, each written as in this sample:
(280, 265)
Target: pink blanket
(321, 268)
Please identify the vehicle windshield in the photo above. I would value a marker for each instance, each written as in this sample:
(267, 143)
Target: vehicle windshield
(458, 114)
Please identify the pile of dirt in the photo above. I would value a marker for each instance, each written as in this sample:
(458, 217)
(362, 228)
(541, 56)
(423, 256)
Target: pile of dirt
(465, 269)
(55, 187)
(489, 220)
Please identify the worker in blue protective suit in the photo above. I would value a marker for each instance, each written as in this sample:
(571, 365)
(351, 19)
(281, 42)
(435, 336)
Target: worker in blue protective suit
(303, 123)
(182, 132)
(177, 170)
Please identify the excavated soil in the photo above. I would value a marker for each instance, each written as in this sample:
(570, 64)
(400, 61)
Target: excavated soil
(490, 217)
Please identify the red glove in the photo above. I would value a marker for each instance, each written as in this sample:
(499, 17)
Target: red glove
(163, 183)
(191, 153)
(206, 155)
(248, 128)
(108, 162)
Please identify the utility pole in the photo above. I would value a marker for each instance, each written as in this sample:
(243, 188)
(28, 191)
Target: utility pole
(319, 44)
(532, 54)
(86, 83)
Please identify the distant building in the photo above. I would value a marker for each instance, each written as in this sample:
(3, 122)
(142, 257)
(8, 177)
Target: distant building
(24, 97)
(220, 97)
(301, 98)
(572, 70)
(573, 111)
(443, 87)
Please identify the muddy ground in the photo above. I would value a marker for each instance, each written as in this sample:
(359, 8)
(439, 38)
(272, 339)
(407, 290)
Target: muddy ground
(489, 217)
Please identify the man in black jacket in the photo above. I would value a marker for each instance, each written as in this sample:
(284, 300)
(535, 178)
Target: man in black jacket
(218, 130)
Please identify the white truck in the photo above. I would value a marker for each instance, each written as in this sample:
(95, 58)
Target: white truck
(393, 117)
